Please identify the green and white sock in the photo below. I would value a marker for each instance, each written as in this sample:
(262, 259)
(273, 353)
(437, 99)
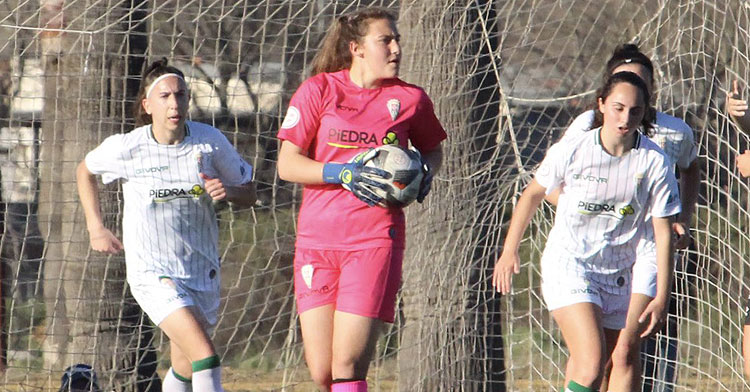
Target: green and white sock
(576, 387)
(207, 375)
(174, 382)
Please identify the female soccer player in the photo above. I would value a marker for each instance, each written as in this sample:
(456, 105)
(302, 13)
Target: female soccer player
(171, 171)
(614, 178)
(675, 137)
(347, 264)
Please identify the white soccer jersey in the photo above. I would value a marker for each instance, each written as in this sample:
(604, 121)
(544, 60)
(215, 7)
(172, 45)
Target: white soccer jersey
(676, 138)
(605, 203)
(169, 223)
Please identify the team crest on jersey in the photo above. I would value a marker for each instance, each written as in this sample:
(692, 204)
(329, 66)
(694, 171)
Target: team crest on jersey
(394, 107)
(661, 141)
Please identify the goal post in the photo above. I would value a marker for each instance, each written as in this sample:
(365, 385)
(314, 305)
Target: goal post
(506, 78)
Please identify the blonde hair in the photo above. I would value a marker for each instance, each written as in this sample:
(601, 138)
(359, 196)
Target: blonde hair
(333, 54)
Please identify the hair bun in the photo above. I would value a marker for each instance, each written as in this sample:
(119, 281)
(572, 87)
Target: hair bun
(624, 48)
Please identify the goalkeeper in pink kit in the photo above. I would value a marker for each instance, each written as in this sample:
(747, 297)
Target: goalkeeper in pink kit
(347, 267)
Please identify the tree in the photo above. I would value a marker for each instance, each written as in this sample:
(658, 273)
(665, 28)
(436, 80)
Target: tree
(89, 69)
(452, 319)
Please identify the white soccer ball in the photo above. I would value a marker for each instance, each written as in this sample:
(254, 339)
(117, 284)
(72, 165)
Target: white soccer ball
(405, 167)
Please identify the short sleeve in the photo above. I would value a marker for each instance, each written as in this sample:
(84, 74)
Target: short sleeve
(688, 150)
(665, 196)
(551, 172)
(580, 125)
(302, 119)
(426, 132)
(231, 168)
(106, 160)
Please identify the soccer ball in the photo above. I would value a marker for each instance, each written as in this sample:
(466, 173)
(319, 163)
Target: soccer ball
(405, 167)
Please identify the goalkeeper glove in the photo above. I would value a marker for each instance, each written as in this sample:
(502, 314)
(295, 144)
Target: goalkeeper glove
(357, 178)
(426, 185)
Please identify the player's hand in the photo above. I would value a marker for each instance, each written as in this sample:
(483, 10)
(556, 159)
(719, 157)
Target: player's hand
(214, 187)
(743, 163)
(357, 178)
(507, 265)
(427, 174)
(736, 106)
(103, 240)
(654, 316)
(681, 235)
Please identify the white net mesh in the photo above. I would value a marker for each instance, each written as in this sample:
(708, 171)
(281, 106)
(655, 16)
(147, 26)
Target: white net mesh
(506, 78)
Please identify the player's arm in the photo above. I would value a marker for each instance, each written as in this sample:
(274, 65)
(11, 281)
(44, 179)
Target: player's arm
(101, 238)
(553, 196)
(690, 178)
(431, 163)
(656, 311)
(434, 158)
(295, 166)
(509, 263)
(242, 195)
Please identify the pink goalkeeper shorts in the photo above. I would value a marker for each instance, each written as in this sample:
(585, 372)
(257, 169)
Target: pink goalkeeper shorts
(362, 282)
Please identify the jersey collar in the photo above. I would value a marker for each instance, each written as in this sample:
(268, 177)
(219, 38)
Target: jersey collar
(153, 138)
(636, 140)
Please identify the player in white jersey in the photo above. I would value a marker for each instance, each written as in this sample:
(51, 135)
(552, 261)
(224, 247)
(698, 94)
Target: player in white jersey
(614, 179)
(172, 171)
(675, 137)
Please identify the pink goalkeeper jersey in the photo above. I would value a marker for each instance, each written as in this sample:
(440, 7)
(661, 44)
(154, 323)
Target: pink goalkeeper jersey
(333, 120)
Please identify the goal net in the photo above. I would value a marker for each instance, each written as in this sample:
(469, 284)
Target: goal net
(506, 78)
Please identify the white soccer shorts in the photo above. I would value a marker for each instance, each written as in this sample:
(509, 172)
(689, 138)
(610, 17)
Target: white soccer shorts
(160, 296)
(564, 287)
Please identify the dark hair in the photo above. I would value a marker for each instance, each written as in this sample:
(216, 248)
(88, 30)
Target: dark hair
(626, 54)
(333, 54)
(635, 80)
(153, 71)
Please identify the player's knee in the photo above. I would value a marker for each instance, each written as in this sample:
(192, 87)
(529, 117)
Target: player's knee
(322, 380)
(321, 376)
(349, 366)
(626, 353)
(587, 370)
(181, 364)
